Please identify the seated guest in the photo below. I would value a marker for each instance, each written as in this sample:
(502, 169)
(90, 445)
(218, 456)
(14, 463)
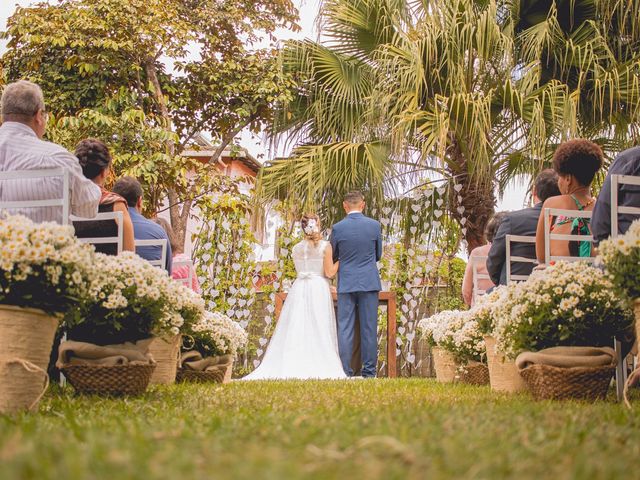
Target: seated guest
(24, 122)
(143, 229)
(576, 162)
(521, 222)
(482, 251)
(627, 163)
(95, 160)
(179, 272)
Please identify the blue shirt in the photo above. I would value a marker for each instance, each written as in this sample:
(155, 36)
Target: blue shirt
(145, 229)
(626, 163)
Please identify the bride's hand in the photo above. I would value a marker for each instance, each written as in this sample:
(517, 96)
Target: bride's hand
(330, 268)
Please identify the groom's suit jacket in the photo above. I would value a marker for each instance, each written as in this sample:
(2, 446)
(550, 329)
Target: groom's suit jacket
(357, 244)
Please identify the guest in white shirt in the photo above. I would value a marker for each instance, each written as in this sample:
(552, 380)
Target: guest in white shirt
(24, 123)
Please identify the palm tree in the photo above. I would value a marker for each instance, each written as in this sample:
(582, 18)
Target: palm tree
(401, 94)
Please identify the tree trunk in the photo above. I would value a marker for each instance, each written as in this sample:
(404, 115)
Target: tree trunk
(178, 222)
(474, 205)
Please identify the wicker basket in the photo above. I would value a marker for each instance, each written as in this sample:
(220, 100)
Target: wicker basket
(196, 376)
(553, 383)
(109, 380)
(219, 375)
(26, 338)
(166, 352)
(474, 373)
(444, 365)
(503, 373)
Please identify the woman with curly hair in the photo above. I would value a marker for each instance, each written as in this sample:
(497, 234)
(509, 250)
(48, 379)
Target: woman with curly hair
(576, 162)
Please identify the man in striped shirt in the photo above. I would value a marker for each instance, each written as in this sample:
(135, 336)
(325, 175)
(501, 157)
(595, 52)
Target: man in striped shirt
(24, 122)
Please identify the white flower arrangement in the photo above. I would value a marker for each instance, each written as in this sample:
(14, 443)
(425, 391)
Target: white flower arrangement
(129, 299)
(621, 257)
(42, 265)
(483, 310)
(457, 332)
(216, 334)
(565, 304)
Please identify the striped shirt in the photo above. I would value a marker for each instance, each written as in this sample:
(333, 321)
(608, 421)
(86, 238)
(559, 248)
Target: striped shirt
(21, 149)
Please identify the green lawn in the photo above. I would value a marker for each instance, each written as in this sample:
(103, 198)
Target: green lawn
(345, 429)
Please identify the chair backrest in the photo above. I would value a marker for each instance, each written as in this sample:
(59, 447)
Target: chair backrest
(179, 264)
(475, 262)
(62, 201)
(509, 239)
(162, 243)
(549, 236)
(118, 240)
(616, 209)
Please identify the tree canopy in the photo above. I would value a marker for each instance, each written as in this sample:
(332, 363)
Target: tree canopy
(148, 75)
(401, 96)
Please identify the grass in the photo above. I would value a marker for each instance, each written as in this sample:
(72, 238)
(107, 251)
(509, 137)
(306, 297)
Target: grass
(368, 429)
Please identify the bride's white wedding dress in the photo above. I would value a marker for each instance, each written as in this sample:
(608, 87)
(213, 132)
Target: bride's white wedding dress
(305, 343)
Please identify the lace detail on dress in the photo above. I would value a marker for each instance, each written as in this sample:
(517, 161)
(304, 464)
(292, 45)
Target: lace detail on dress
(309, 258)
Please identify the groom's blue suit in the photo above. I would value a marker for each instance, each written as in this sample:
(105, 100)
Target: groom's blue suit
(357, 244)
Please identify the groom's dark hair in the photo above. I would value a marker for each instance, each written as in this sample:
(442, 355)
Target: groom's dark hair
(354, 197)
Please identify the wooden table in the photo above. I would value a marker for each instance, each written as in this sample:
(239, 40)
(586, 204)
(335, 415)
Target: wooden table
(384, 298)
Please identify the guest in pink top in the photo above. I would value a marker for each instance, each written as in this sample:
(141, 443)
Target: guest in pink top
(483, 284)
(179, 271)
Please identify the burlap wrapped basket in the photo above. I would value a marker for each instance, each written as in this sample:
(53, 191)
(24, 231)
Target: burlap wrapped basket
(26, 337)
(636, 311)
(550, 373)
(113, 380)
(444, 364)
(503, 373)
(474, 373)
(634, 377)
(166, 353)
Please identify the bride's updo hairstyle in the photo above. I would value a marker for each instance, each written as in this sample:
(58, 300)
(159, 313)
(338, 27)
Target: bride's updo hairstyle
(310, 224)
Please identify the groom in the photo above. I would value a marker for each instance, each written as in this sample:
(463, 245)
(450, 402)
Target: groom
(357, 245)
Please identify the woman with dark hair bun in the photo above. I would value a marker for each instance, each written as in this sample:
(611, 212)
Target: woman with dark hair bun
(95, 161)
(576, 162)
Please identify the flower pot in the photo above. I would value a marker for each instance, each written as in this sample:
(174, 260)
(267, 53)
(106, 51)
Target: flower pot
(228, 372)
(444, 365)
(26, 338)
(110, 380)
(636, 311)
(166, 352)
(503, 373)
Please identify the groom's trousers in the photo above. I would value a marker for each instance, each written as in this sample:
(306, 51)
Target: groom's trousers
(366, 304)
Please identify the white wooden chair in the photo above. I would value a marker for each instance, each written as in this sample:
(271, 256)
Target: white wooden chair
(475, 262)
(509, 239)
(118, 240)
(188, 281)
(62, 201)
(550, 236)
(616, 209)
(162, 243)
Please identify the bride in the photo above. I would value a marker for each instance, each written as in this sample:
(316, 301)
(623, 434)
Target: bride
(304, 344)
